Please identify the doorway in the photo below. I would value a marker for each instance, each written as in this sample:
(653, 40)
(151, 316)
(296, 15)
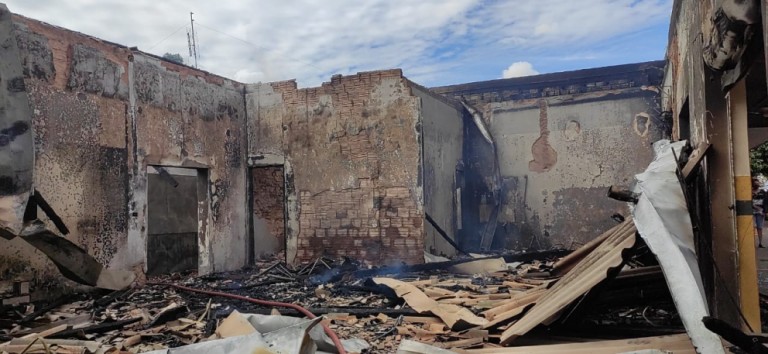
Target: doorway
(267, 235)
(172, 219)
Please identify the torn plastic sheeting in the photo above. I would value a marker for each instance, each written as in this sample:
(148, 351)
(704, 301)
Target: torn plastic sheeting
(662, 219)
(286, 340)
(268, 323)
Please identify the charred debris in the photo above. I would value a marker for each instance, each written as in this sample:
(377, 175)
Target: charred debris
(629, 289)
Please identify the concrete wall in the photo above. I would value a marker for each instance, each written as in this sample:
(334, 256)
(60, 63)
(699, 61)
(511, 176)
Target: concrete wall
(442, 130)
(101, 114)
(562, 140)
(351, 151)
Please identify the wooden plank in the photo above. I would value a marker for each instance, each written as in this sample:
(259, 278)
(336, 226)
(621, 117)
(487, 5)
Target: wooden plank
(521, 299)
(16, 300)
(563, 265)
(677, 344)
(585, 275)
(419, 319)
(72, 321)
(454, 316)
(47, 332)
(695, 160)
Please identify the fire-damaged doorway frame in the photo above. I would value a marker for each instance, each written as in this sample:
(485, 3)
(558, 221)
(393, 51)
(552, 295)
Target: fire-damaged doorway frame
(166, 175)
(290, 206)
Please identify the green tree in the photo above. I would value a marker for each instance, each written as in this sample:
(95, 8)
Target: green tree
(758, 159)
(176, 58)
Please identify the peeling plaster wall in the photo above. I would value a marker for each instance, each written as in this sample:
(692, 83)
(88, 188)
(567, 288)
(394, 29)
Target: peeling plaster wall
(101, 113)
(562, 140)
(443, 141)
(351, 149)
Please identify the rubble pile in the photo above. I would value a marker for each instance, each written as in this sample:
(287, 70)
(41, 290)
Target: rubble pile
(606, 290)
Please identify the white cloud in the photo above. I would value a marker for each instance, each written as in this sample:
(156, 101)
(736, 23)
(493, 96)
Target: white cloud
(518, 69)
(432, 40)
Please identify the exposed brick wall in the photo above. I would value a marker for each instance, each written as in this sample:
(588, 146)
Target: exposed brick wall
(269, 206)
(361, 223)
(353, 144)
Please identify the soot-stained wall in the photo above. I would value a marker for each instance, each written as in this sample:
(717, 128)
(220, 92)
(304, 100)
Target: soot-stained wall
(562, 140)
(351, 151)
(442, 130)
(101, 113)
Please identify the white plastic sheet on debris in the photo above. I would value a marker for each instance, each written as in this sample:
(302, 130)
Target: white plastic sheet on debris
(662, 219)
(274, 334)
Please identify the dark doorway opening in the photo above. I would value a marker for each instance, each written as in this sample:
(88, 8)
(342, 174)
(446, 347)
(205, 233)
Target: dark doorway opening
(268, 212)
(172, 209)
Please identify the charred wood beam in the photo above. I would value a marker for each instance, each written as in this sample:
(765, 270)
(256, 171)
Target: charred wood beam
(444, 234)
(623, 195)
(95, 329)
(356, 311)
(44, 309)
(335, 274)
(49, 212)
(749, 343)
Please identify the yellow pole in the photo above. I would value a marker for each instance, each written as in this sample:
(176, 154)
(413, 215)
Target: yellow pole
(747, 260)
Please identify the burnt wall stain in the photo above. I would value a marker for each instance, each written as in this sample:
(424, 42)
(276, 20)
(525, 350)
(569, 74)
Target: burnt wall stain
(92, 72)
(544, 155)
(477, 156)
(16, 84)
(36, 55)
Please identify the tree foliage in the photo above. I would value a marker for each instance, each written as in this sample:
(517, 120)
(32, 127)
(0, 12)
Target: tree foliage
(758, 158)
(176, 58)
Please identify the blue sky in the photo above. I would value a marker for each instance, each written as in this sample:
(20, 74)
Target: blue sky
(435, 42)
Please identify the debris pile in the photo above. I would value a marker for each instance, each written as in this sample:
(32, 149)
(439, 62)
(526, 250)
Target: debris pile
(608, 289)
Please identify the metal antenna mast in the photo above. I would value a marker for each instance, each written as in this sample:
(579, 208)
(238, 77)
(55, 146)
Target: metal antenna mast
(191, 40)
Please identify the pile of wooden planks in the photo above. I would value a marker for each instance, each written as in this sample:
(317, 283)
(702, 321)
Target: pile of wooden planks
(522, 302)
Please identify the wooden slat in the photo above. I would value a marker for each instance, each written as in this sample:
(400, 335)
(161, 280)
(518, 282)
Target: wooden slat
(585, 275)
(677, 344)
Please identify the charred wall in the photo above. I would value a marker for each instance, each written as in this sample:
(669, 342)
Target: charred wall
(443, 139)
(101, 113)
(352, 157)
(562, 139)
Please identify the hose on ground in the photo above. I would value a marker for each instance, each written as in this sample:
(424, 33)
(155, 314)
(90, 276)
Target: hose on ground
(328, 330)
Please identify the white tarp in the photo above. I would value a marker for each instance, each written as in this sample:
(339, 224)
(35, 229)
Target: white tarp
(273, 334)
(662, 219)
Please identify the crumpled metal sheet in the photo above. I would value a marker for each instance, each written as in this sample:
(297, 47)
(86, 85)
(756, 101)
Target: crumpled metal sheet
(662, 219)
(274, 334)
